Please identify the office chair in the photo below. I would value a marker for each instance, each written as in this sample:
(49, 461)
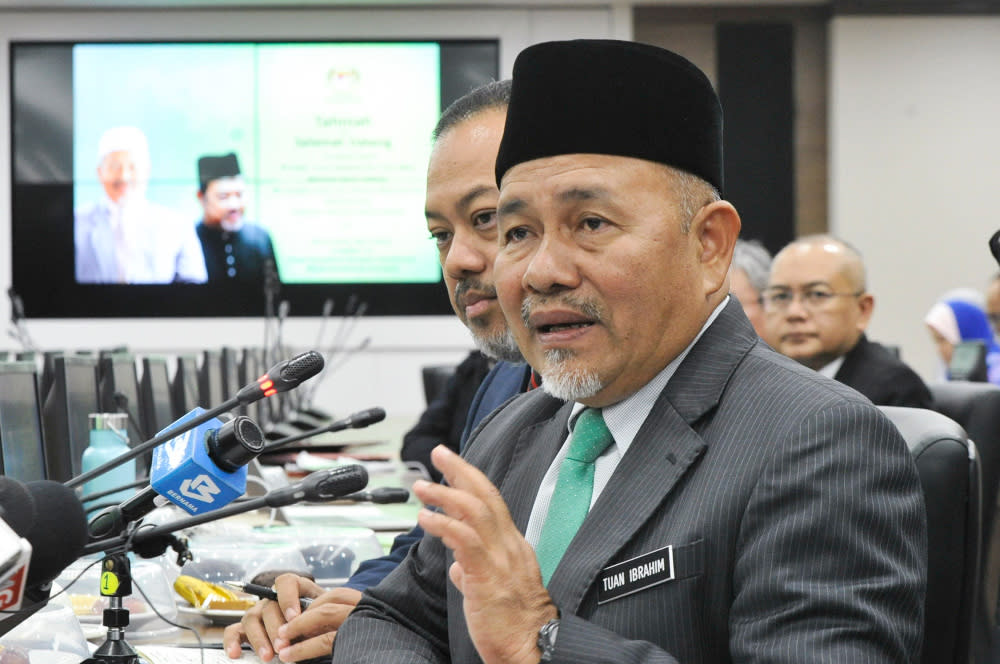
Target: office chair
(949, 474)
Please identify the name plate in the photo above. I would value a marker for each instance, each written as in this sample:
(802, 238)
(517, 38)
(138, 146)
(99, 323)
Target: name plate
(645, 571)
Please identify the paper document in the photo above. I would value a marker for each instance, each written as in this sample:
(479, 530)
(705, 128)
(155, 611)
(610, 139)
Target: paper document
(174, 655)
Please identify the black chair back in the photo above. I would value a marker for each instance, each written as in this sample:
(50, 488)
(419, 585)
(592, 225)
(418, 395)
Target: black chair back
(976, 407)
(949, 473)
(435, 378)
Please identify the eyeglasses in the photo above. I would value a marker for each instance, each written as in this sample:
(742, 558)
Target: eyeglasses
(776, 300)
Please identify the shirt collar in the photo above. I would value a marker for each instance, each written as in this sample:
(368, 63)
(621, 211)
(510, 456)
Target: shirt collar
(831, 369)
(626, 417)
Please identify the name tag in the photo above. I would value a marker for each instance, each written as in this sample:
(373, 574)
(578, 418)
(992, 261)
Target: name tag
(631, 576)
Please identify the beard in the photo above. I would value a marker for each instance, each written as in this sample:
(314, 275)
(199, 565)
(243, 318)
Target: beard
(559, 378)
(497, 344)
(565, 382)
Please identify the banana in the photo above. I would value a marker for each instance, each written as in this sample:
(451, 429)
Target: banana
(199, 593)
(205, 595)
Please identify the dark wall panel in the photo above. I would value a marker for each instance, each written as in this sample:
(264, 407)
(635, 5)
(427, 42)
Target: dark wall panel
(755, 79)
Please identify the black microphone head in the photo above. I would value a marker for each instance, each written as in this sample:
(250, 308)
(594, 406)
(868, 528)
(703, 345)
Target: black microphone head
(334, 482)
(235, 443)
(366, 418)
(59, 533)
(388, 494)
(995, 246)
(282, 377)
(17, 507)
(290, 373)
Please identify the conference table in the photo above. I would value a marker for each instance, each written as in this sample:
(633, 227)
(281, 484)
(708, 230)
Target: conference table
(367, 529)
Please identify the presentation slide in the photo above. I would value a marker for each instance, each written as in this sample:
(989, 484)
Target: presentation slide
(332, 141)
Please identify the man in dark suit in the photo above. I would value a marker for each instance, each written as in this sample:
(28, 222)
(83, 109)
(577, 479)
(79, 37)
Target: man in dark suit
(461, 218)
(816, 310)
(740, 507)
(236, 251)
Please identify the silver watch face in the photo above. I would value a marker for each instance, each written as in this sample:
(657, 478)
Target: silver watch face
(547, 639)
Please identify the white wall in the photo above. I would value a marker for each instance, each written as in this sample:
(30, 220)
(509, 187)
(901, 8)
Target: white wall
(915, 161)
(387, 372)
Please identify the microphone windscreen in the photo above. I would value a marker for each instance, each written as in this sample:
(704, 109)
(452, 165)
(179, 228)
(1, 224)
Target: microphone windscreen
(59, 532)
(18, 507)
(301, 367)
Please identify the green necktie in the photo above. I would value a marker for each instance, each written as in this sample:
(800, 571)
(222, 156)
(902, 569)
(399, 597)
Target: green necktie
(574, 488)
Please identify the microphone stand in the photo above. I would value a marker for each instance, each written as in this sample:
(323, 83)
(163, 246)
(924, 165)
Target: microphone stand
(116, 571)
(116, 585)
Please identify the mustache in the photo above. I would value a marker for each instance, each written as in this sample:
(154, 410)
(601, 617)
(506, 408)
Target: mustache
(474, 284)
(587, 308)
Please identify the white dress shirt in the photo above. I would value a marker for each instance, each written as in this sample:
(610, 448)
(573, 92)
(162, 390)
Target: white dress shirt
(136, 243)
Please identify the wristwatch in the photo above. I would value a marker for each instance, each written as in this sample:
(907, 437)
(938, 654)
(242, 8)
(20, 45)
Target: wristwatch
(547, 639)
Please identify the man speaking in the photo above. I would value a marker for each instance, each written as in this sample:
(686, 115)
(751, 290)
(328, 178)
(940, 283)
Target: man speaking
(677, 491)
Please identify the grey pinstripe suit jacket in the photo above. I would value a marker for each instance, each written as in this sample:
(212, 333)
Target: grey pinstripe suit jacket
(792, 504)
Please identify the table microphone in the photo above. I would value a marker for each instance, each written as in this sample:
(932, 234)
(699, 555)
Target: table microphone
(320, 486)
(281, 377)
(358, 420)
(198, 471)
(382, 495)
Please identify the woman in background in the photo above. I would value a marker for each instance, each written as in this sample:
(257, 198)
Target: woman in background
(953, 321)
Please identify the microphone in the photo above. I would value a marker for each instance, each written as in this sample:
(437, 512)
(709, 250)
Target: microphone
(17, 509)
(49, 519)
(58, 534)
(358, 420)
(15, 558)
(995, 246)
(320, 486)
(200, 470)
(281, 377)
(382, 495)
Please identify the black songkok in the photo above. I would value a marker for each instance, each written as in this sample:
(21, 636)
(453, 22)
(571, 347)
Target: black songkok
(212, 168)
(616, 98)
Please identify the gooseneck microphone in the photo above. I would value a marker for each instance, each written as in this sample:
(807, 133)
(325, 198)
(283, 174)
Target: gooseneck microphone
(281, 377)
(358, 420)
(382, 495)
(320, 486)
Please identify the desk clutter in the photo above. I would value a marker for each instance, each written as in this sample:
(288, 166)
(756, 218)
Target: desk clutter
(50, 407)
(193, 593)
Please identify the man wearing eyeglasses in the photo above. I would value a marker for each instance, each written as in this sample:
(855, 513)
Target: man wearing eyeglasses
(816, 310)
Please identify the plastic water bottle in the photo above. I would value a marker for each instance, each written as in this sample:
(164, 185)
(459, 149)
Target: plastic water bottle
(108, 440)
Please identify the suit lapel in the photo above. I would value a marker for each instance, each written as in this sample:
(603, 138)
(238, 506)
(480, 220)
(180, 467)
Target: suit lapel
(536, 447)
(661, 453)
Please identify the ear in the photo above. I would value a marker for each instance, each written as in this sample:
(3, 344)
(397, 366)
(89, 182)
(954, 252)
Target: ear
(866, 303)
(715, 229)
